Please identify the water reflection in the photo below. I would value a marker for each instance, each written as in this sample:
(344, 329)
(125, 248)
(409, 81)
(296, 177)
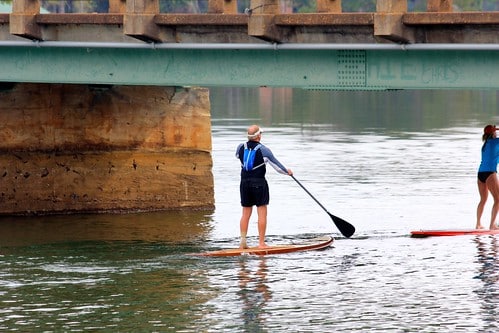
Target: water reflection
(391, 112)
(488, 273)
(169, 226)
(254, 292)
(347, 262)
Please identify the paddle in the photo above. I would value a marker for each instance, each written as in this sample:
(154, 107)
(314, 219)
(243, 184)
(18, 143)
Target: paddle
(343, 226)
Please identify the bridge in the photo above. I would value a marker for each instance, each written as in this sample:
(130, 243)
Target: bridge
(135, 44)
(111, 111)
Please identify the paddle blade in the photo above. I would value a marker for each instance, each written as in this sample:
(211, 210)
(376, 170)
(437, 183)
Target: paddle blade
(343, 226)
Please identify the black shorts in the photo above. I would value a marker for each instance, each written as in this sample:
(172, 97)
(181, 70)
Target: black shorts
(482, 176)
(254, 192)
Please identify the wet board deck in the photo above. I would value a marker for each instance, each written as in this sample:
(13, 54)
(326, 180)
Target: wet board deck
(312, 244)
(456, 232)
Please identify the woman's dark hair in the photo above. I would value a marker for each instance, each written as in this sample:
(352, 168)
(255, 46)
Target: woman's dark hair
(486, 136)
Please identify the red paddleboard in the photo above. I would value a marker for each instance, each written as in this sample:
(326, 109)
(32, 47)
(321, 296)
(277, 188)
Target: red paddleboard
(312, 244)
(456, 232)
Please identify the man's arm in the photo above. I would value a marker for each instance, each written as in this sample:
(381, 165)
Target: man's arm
(238, 149)
(268, 157)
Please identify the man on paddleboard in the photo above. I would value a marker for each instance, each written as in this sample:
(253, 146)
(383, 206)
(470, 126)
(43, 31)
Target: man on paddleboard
(253, 187)
(487, 175)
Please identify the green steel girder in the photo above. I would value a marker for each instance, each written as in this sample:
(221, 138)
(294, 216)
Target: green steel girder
(310, 69)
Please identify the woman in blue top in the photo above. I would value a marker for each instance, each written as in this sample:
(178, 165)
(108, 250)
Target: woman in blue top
(487, 175)
(253, 187)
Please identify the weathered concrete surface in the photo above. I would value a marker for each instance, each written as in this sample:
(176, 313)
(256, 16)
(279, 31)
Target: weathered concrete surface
(391, 22)
(77, 148)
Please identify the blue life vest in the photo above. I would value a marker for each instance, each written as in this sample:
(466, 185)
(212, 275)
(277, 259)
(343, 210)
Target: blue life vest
(249, 157)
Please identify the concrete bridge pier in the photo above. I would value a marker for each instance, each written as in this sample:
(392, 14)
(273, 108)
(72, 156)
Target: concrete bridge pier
(81, 148)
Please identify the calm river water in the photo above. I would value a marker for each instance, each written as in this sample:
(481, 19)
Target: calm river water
(387, 162)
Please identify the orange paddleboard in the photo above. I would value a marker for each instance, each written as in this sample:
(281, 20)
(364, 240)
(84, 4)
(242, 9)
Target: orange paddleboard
(312, 244)
(456, 232)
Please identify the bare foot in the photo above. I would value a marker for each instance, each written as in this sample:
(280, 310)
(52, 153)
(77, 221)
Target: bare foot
(262, 246)
(243, 245)
(479, 226)
(494, 227)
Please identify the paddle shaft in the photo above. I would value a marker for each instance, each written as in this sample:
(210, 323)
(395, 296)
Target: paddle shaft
(345, 228)
(303, 187)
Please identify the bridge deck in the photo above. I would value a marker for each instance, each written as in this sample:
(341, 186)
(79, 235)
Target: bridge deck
(289, 42)
(463, 27)
(264, 21)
